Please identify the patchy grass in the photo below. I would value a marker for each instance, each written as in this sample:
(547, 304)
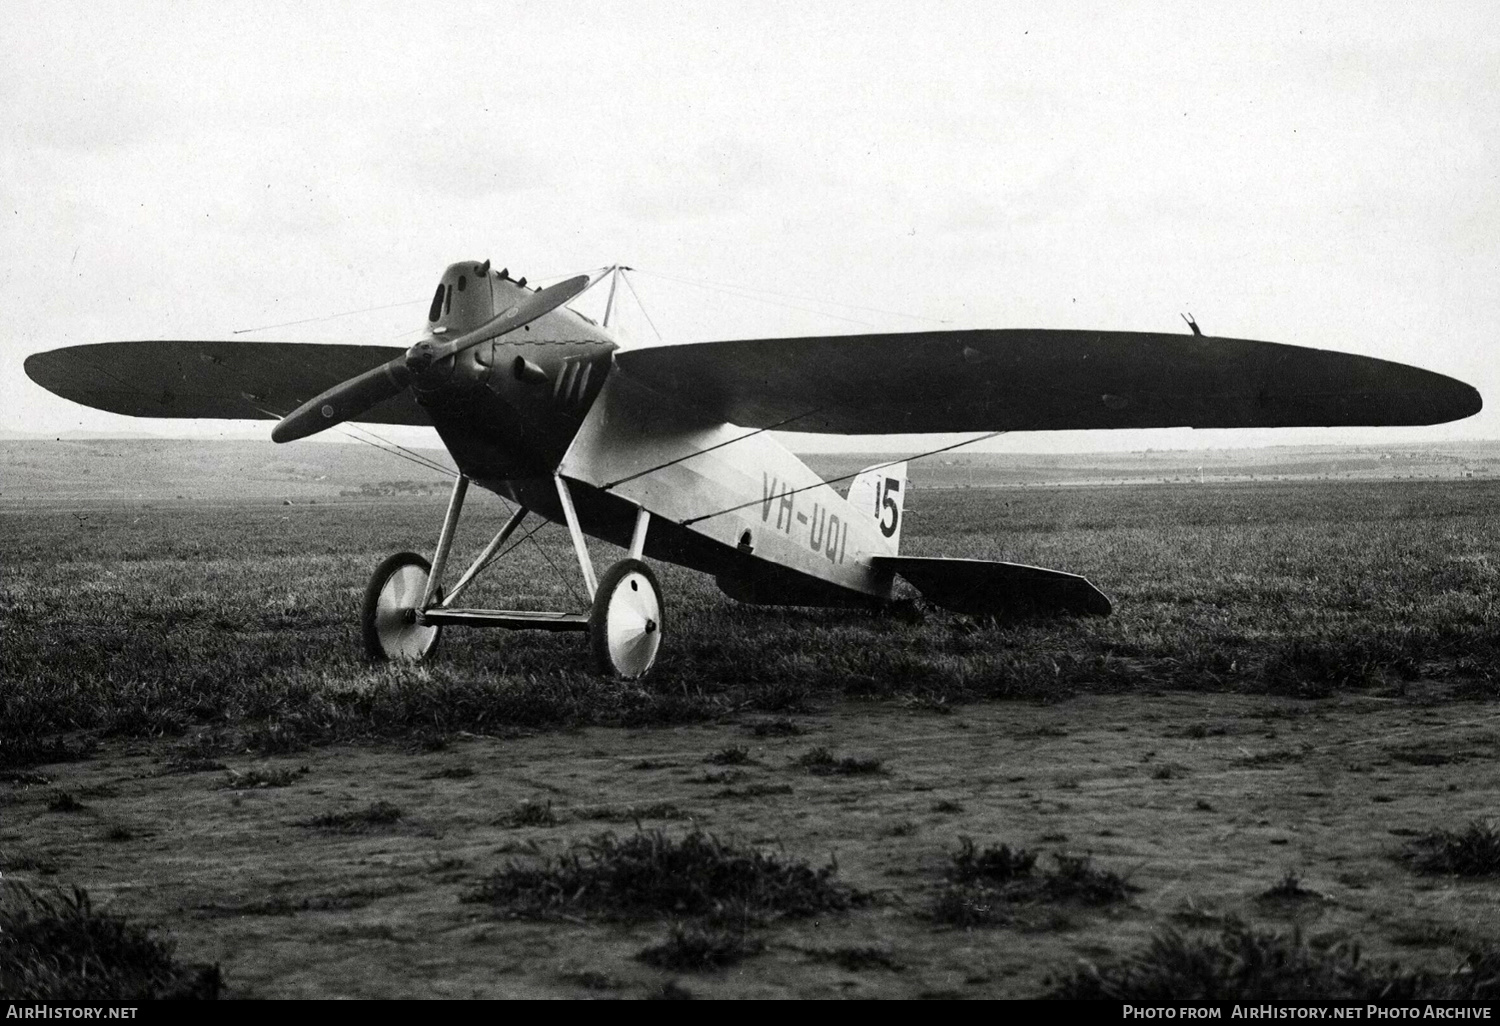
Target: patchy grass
(591, 980)
(1272, 757)
(530, 814)
(1198, 731)
(22, 747)
(779, 727)
(1190, 912)
(1472, 851)
(339, 900)
(27, 861)
(1000, 886)
(695, 948)
(754, 791)
(65, 801)
(1244, 964)
(1076, 878)
(23, 777)
(634, 813)
(264, 776)
(729, 776)
(856, 959)
(56, 947)
(378, 814)
(822, 762)
(447, 864)
(969, 906)
(649, 875)
(732, 756)
(671, 990)
(194, 764)
(919, 701)
(1423, 755)
(992, 865)
(1289, 889)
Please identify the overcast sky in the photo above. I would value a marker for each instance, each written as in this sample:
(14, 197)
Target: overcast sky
(1318, 174)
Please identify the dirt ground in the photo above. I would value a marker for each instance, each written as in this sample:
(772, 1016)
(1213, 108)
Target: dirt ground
(1205, 802)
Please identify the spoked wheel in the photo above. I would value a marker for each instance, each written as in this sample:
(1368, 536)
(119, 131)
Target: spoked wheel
(625, 624)
(389, 615)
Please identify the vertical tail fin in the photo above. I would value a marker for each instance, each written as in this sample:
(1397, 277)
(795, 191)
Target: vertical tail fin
(880, 493)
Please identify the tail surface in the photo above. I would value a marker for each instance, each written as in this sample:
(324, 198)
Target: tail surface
(879, 492)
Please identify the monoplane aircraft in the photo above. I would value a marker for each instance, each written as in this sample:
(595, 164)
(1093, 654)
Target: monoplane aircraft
(667, 452)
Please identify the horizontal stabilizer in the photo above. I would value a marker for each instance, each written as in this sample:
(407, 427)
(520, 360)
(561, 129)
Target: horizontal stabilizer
(982, 587)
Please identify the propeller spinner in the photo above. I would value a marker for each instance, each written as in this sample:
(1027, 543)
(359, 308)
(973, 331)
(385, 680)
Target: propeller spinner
(348, 399)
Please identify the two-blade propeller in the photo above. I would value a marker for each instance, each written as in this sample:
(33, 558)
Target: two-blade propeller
(348, 399)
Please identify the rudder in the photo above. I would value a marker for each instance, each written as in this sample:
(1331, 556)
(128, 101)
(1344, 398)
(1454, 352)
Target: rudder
(879, 492)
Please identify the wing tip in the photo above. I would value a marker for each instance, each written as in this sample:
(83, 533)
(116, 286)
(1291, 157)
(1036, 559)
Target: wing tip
(1470, 401)
(44, 369)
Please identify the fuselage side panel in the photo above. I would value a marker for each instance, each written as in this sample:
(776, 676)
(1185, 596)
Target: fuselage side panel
(735, 487)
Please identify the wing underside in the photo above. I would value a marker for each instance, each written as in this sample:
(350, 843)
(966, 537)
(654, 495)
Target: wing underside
(213, 379)
(1034, 380)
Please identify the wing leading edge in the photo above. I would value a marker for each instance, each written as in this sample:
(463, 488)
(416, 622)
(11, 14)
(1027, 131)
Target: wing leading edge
(1041, 380)
(213, 379)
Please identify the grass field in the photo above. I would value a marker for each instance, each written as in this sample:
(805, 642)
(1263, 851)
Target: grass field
(142, 622)
(149, 649)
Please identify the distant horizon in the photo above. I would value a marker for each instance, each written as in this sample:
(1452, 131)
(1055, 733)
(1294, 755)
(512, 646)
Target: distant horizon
(843, 446)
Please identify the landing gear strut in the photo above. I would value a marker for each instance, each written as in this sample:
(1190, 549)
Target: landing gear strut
(405, 609)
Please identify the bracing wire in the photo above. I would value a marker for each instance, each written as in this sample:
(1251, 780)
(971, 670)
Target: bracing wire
(327, 317)
(411, 454)
(567, 582)
(986, 436)
(846, 477)
(397, 449)
(732, 291)
(376, 441)
(646, 313)
(699, 452)
(496, 557)
(789, 295)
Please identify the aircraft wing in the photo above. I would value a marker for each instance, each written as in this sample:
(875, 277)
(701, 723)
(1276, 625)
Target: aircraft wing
(982, 587)
(228, 380)
(1039, 380)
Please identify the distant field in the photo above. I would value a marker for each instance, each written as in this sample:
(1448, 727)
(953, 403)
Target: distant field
(170, 470)
(146, 638)
(1444, 461)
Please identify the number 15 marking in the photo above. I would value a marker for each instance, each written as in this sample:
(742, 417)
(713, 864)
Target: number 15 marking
(883, 502)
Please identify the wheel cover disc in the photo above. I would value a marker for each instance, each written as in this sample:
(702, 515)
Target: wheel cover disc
(633, 625)
(400, 637)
